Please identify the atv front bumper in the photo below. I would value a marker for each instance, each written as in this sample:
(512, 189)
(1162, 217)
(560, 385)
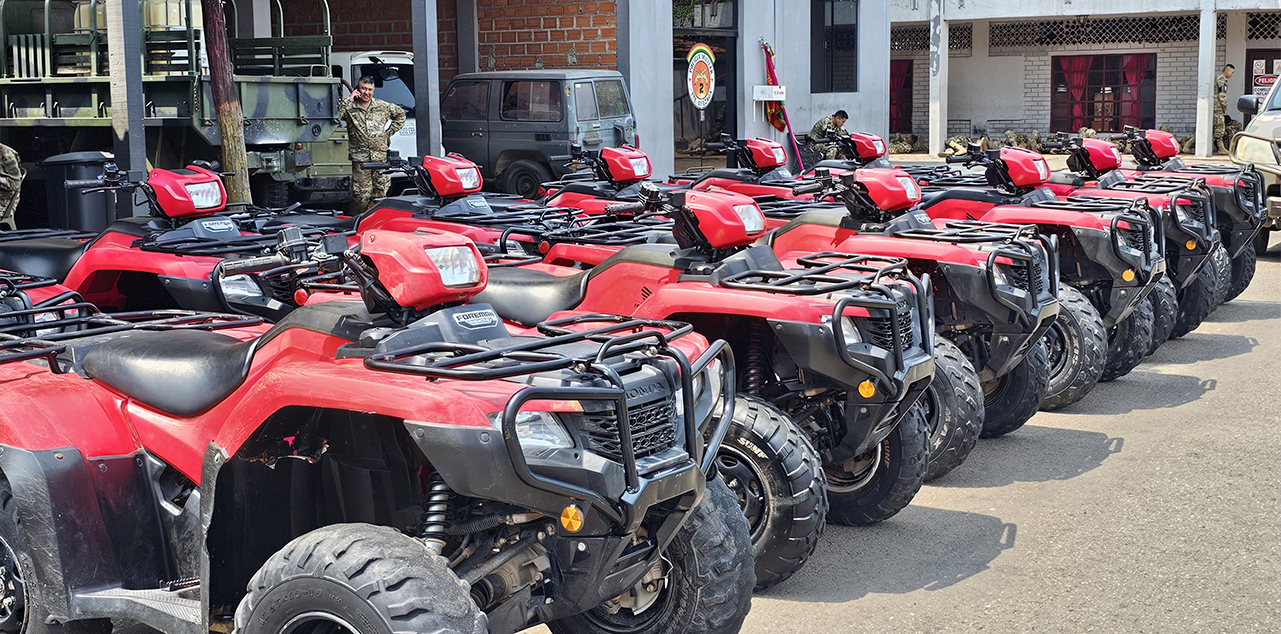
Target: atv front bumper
(1239, 211)
(1117, 251)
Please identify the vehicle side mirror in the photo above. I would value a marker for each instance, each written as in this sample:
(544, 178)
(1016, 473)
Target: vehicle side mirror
(387, 73)
(1248, 104)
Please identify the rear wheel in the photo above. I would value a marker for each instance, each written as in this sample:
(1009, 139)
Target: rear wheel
(1128, 341)
(1222, 275)
(1076, 345)
(953, 405)
(772, 469)
(873, 487)
(345, 574)
(1011, 400)
(705, 586)
(524, 177)
(1243, 266)
(1165, 311)
(1194, 302)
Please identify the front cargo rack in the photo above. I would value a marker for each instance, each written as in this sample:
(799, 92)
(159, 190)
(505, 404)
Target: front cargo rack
(1158, 184)
(265, 243)
(33, 234)
(12, 282)
(820, 274)
(972, 232)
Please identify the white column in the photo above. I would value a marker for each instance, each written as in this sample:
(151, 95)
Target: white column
(644, 54)
(422, 23)
(1235, 55)
(1205, 82)
(938, 77)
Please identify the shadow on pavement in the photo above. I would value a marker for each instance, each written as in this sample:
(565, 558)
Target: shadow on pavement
(1240, 310)
(921, 548)
(1202, 346)
(1142, 390)
(1032, 454)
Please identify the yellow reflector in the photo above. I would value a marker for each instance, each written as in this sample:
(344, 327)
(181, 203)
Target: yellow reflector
(571, 519)
(1191, 245)
(1127, 275)
(867, 389)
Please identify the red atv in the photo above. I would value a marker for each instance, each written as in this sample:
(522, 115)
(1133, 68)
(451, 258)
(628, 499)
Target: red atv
(1109, 246)
(762, 168)
(402, 462)
(27, 302)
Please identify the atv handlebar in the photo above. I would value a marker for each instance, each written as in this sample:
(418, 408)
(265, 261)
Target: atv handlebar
(625, 208)
(809, 188)
(248, 266)
(959, 158)
(86, 184)
(715, 146)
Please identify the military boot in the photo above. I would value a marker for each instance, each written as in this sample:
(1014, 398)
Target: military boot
(1218, 147)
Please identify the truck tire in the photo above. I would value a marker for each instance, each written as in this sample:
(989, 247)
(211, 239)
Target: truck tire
(27, 614)
(1243, 266)
(953, 405)
(1165, 310)
(1194, 303)
(1012, 400)
(777, 477)
(864, 492)
(524, 177)
(358, 573)
(1222, 275)
(709, 578)
(1128, 341)
(1077, 346)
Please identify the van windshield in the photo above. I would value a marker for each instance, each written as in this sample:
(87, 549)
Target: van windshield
(398, 90)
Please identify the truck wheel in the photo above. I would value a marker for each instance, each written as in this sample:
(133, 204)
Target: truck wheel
(1243, 266)
(524, 177)
(953, 405)
(1012, 400)
(777, 476)
(1222, 275)
(1128, 341)
(1165, 310)
(1261, 240)
(871, 488)
(1077, 346)
(25, 614)
(1194, 303)
(357, 573)
(704, 585)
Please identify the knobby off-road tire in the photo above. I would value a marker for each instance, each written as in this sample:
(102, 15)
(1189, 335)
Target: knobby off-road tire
(1222, 275)
(877, 488)
(1129, 341)
(1077, 345)
(1012, 400)
(777, 476)
(709, 580)
(27, 614)
(385, 581)
(953, 408)
(1165, 311)
(1194, 303)
(1261, 240)
(1243, 266)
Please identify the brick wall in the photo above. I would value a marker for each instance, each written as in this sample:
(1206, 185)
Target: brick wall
(525, 34)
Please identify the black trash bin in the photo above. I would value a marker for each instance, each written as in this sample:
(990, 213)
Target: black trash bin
(70, 209)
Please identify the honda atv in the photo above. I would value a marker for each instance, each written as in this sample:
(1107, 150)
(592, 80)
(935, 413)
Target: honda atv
(762, 171)
(1109, 246)
(28, 302)
(403, 463)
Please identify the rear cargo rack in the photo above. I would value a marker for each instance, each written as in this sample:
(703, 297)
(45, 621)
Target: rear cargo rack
(954, 179)
(605, 231)
(32, 234)
(928, 171)
(972, 232)
(532, 216)
(820, 274)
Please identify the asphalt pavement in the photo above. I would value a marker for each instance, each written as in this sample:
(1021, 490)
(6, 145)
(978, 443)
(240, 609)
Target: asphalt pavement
(1154, 505)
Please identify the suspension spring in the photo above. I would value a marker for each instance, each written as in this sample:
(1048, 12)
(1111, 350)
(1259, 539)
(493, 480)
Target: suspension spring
(757, 361)
(435, 517)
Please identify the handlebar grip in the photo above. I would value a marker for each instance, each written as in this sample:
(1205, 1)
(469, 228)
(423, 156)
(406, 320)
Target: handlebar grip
(249, 266)
(714, 146)
(560, 157)
(959, 158)
(376, 166)
(1052, 145)
(86, 184)
(625, 208)
(808, 188)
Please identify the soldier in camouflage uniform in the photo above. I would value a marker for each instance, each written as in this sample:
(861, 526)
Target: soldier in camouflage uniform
(11, 175)
(826, 125)
(370, 125)
(1221, 106)
(958, 144)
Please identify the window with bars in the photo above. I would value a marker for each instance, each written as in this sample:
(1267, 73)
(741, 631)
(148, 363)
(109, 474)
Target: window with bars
(834, 46)
(960, 37)
(1104, 92)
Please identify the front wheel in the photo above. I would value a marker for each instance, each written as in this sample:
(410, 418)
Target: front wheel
(1222, 274)
(953, 405)
(704, 585)
(344, 574)
(873, 487)
(1194, 302)
(1011, 400)
(1077, 346)
(1128, 342)
(1165, 311)
(777, 476)
(1243, 266)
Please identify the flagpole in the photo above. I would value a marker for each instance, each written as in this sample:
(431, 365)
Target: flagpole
(771, 77)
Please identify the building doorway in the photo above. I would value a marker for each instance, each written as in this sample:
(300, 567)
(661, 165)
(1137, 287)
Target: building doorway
(713, 23)
(1262, 67)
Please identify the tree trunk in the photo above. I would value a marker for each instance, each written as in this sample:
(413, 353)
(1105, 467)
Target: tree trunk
(226, 102)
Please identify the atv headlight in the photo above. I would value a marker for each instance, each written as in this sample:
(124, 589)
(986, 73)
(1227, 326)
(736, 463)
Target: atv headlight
(753, 219)
(999, 276)
(779, 154)
(538, 431)
(849, 332)
(910, 187)
(640, 167)
(204, 195)
(468, 177)
(879, 146)
(457, 265)
(239, 288)
(1042, 169)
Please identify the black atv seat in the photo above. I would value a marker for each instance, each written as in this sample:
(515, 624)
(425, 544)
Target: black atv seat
(182, 372)
(528, 297)
(43, 257)
(1064, 178)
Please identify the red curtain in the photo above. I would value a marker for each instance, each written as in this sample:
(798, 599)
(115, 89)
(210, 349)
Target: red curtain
(1076, 70)
(900, 95)
(1133, 67)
